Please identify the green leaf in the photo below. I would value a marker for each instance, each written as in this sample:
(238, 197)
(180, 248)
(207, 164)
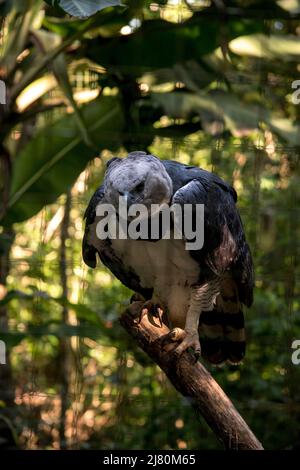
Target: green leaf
(18, 26)
(267, 47)
(86, 8)
(160, 44)
(36, 69)
(236, 115)
(108, 22)
(49, 40)
(59, 157)
(292, 6)
(83, 312)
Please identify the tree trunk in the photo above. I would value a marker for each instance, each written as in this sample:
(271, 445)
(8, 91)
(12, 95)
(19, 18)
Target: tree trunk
(64, 342)
(7, 389)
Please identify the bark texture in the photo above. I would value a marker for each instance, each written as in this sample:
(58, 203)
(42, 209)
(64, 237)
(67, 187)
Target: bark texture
(193, 381)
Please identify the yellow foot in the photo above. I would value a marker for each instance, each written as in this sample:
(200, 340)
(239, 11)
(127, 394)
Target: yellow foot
(186, 339)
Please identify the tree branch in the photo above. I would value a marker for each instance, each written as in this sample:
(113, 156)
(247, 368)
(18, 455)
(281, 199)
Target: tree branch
(192, 381)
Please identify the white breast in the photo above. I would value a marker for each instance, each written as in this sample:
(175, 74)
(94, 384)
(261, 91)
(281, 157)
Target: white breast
(166, 266)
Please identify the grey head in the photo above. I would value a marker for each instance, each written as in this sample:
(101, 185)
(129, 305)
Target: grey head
(139, 178)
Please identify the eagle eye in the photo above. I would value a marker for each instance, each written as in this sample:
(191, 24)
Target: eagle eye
(140, 187)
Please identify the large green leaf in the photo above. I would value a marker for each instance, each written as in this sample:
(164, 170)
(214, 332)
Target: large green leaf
(237, 116)
(53, 159)
(292, 6)
(108, 22)
(59, 67)
(267, 47)
(19, 22)
(160, 44)
(86, 8)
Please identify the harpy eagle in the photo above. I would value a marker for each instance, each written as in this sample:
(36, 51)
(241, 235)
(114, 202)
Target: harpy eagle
(200, 291)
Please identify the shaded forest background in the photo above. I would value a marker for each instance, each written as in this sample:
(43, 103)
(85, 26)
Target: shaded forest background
(198, 81)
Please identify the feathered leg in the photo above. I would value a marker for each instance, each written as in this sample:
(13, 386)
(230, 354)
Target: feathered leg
(202, 298)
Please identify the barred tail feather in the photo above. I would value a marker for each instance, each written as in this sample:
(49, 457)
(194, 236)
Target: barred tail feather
(221, 330)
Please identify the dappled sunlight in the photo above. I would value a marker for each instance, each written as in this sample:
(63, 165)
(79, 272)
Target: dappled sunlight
(192, 89)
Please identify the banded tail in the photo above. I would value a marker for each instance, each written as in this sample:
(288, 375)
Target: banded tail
(221, 330)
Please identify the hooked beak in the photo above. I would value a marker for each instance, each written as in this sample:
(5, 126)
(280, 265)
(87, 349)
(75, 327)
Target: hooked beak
(125, 198)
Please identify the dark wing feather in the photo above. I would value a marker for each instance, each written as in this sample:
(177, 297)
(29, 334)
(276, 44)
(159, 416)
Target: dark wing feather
(225, 247)
(89, 251)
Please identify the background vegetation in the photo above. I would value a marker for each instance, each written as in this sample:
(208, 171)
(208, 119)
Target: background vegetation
(198, 81)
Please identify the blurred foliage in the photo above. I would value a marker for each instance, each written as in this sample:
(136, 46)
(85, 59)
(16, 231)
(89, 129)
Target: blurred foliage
(83, 9)
(194, 81)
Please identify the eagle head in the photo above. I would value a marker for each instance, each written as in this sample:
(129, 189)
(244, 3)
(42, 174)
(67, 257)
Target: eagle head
(139, 178)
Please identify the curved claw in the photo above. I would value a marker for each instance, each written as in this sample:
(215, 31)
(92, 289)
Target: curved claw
(152, 310)
(197, 354)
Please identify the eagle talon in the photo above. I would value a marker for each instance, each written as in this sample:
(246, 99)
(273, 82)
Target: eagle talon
(197, 354)
(144, 311)
(152, 311)
(174, 335)
(160, 313)
(187, 340)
